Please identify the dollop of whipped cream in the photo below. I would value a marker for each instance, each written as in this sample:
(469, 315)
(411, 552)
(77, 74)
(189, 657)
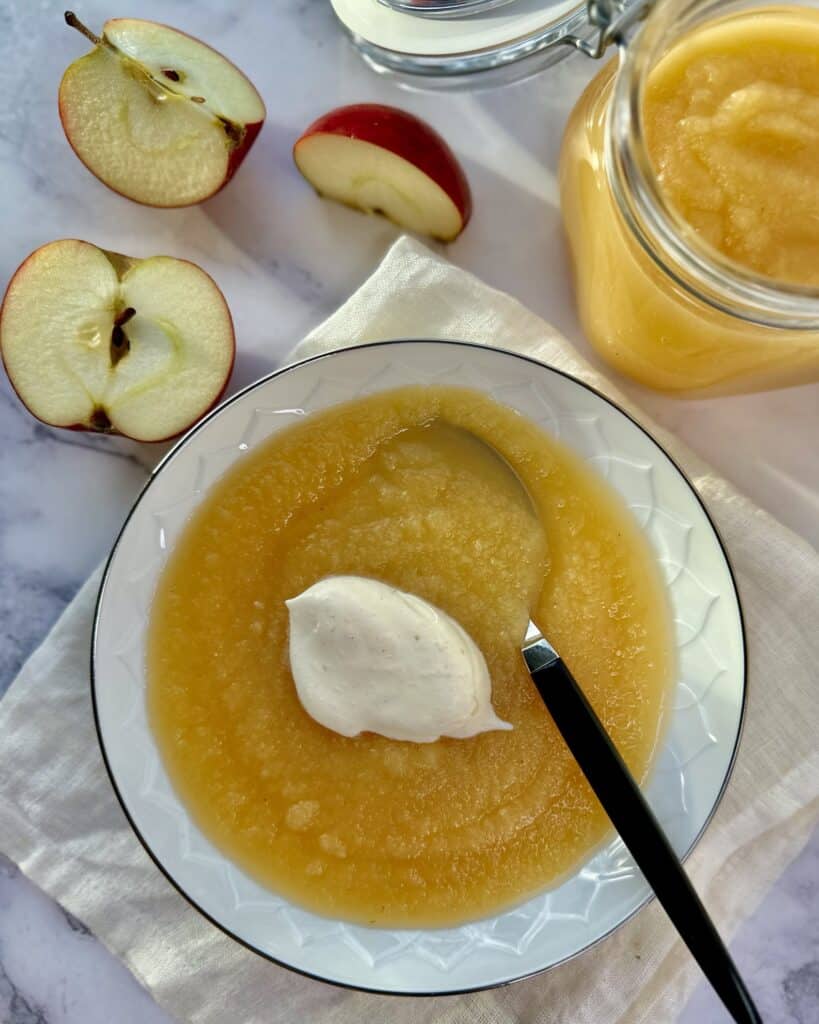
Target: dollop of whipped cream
(367, 657)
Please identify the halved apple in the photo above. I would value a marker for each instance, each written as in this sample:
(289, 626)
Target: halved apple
(157, 115)
(384, 160)
(92, 340)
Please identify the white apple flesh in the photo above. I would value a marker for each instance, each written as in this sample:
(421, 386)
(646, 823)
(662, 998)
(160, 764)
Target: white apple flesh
(97, 341)
(157, 115)
(381, 159)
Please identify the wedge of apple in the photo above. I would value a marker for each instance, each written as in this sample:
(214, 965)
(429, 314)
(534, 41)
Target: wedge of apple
(384, 160)
(156, 114)
(92, 340)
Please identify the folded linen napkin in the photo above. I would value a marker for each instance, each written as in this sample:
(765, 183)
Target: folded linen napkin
(60, 821)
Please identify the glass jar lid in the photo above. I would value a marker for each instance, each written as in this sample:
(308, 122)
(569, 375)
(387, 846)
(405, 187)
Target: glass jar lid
(443, 8)
(506, 40)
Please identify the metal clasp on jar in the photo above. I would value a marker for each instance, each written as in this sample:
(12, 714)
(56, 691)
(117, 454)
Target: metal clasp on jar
(613, 18)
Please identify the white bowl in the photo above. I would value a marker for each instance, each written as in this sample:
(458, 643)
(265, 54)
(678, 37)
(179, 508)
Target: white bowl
(690, 772)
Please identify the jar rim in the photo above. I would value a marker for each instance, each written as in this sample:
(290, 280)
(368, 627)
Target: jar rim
(679, 250)
(521, 49)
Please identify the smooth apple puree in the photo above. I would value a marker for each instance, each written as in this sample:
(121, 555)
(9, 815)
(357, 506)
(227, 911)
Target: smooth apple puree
(366, 828)
(731, 117)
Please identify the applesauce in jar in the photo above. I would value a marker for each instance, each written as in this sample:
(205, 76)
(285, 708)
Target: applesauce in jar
(370, 829)
(690, 196)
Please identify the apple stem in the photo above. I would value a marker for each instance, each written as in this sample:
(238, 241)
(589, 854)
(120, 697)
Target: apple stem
(72, 20)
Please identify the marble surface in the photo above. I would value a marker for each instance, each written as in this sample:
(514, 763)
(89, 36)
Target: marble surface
(285, 260)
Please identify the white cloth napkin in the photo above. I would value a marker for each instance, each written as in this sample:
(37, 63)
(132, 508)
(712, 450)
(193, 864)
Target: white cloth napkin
(60, 821)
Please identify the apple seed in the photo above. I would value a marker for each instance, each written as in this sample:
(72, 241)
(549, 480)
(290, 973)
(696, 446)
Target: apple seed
(120, 345)
(125, 316)
(99, 421)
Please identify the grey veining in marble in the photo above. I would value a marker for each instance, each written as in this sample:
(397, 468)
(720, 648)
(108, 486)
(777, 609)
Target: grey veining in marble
(52, 971)
(779, 949)
(53, 520)
(285, 260)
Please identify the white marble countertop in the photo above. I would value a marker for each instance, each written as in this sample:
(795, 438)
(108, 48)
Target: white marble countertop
(285, 260)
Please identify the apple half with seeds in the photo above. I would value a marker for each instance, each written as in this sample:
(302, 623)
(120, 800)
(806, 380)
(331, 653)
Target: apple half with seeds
(384, 160)
(92, 340)
(157, 115)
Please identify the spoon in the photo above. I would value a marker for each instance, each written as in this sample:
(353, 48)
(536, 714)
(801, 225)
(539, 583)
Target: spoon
(620, 796)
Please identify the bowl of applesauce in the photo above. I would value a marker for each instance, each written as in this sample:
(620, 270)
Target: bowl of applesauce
(384, 864)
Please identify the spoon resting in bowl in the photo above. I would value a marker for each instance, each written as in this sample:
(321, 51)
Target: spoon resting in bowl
(620, 795)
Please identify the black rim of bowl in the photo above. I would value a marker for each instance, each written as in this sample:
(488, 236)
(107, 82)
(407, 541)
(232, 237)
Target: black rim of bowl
(169, 456)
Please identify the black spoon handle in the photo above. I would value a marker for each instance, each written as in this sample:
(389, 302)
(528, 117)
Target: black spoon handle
(639, 829)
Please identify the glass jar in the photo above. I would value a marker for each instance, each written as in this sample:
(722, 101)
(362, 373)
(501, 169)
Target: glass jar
(654, 298)
(457, 44)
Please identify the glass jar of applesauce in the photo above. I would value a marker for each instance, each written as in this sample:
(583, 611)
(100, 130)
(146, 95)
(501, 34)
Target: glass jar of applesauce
(689, 180)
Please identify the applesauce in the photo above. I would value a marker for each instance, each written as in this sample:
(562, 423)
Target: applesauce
(701, 276)
(731, 119)
(370, 829)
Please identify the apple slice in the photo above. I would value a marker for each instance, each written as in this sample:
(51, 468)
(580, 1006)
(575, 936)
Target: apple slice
(92, 340)
(383, 160)
(157, 115)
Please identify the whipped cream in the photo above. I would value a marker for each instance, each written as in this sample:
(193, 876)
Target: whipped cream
(367, 657)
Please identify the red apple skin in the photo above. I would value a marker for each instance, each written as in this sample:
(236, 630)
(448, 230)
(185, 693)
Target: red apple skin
(86, 428)
(235, 159)
(238, 154)
(17, 273)
(405, 135)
